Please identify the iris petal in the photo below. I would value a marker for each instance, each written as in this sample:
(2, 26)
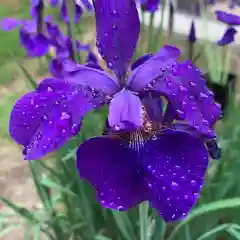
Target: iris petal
(228, 18)
(125, 111)
(43, 120)
(153, 68)
(113, 171)
(228, 37)
(117, 32)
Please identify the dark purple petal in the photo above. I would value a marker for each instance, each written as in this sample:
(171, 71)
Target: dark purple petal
(192, 33)
(150, 5)
(194, 102)
(154, 107)
(45, 119)
(228, 18)
(213, 149)
(96, 80)
(141, 60)
(176, 164)
(125, 111)
(153, 68)
(35, 45)
(117, 32)
(78, 13)
(64, 11)
(228, 37)
(114, 172)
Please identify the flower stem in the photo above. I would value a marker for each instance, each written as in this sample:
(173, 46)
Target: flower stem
(143, 220)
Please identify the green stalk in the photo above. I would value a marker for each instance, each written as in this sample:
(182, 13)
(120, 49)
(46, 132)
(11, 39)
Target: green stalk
(143, 220)
(160, 35)
(150, 33)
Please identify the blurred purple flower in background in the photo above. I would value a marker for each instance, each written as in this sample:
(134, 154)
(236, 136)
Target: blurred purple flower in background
(146, 153)
(228, 37)
(150, 5)
(228, 18)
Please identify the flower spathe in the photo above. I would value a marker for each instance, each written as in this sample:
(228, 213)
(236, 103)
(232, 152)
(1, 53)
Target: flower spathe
(144, 154)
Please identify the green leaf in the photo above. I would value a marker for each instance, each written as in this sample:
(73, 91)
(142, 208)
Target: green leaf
(124, 225)
(205, 209)
(214, 231)
(101, 237)
(20, 210)
(234, 232)
(8, 229)
(159, 229)
(143, 220)
(53, 185)
(37, 230)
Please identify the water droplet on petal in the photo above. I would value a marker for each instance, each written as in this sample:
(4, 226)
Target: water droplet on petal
(203, 95)
(150, 185)
(173, 216)
(120, 208)
(186, 197)
(114, 12)
(49, 89)
(110, 65)
(180, 112)
(193, 182)
(183, 89)
(115, 27)
(150, 167)
(192, 84)
(174, 185)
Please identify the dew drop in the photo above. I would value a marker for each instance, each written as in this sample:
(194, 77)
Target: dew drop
(23, 113)
(110, 65)
(163, 188)
(168, 199)
(120, 208)
(192, 84)
(180, 112)
(114, 12)
(193, 182)
(65, 116)
(74, 129)
(186, 197)
(182, 88)
(49, 89)
(115, 27)
(203, 95)
(173, 216)
(105, 34)
(182, 178)
(177, 167)
(45, 117)
(150, 167)
(150, 185)
(174, 185)
(36, 106)
(117, 128)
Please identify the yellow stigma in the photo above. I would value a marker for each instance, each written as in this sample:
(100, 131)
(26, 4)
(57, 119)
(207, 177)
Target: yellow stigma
(52, 51)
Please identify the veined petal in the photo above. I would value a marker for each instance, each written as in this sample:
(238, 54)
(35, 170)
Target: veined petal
(117, 32)
(153, 68)
(125, 111)
(112, 170)
(96, 80)
(176, 164)
(228, 37)
(185, 88)
(43, 120)
(228, 18)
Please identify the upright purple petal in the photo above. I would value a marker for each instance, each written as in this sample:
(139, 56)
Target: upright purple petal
(153, 68)
(113, 171)
(228, 18)
(43, 120)
(185, 88)
(125, 111)
(141, 60)
(176, 167)
(228, 37)
(117, 32)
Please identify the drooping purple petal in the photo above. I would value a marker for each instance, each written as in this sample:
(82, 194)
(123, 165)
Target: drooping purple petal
(43, 120)
(185, 88)
(36, 45)
(125, 111)
(176, 163)
(228, 37)
(228, 18)
(141, 60)
(96, 80)
(167, 170)
(153, 68)
(118, 28)
(114, 172)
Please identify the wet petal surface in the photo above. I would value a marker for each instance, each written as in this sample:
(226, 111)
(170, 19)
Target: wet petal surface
(45, 119)
(117, 32)
(112, 170)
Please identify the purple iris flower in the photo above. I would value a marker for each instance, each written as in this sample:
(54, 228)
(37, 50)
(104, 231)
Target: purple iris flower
(145, 154)
(234, 3)
(228, 18)
(228, 37)
(150, 5)
(85, 3)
